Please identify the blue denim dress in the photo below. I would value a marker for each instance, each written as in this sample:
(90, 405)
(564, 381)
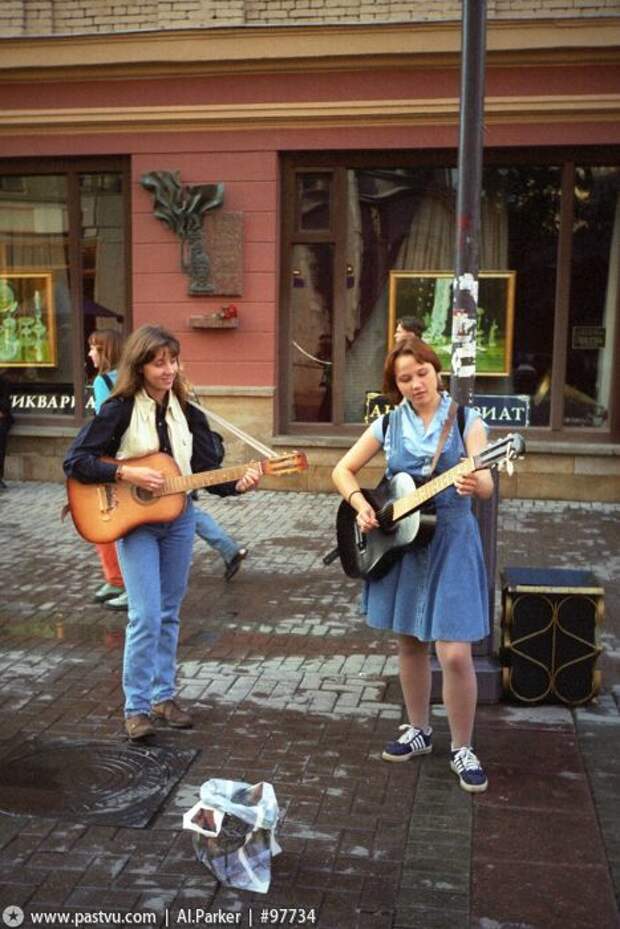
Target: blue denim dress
(440, 591)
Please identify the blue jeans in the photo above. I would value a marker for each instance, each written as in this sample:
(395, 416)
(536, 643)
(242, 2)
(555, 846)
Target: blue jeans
(210, 530)
(155, 561)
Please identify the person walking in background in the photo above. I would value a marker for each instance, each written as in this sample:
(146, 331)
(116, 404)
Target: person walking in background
(148, 412)
(408, 326)
(6, 421)
(437, 592)
(208, 528)
(104, 351)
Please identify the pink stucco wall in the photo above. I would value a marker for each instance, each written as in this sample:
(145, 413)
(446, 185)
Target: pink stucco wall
(245, 356)
(246, 161)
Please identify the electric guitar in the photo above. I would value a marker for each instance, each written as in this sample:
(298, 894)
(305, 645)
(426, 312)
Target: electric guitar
(397, 504)
(107, 512)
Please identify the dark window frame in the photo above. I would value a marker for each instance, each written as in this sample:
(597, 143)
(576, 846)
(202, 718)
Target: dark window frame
(567, 158)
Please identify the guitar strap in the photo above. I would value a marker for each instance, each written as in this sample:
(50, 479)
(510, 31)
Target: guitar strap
(445, 432)
(461, 421)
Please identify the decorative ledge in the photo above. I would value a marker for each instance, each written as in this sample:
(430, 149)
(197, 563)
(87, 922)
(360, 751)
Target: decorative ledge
(432, 111)
(534, 446)
(41, 431)
(219, 390)
(298, 47)
(213, 322)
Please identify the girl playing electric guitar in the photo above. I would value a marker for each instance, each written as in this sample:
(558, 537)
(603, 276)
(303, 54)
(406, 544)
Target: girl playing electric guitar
(436, 593)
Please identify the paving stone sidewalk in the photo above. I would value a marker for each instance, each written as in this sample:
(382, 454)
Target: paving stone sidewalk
(288, 686)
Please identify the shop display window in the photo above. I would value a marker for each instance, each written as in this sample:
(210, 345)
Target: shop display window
(62, 274)
(391, 247)
(36, 312)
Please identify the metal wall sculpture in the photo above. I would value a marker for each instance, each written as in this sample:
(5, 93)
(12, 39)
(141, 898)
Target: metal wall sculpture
(182, 209)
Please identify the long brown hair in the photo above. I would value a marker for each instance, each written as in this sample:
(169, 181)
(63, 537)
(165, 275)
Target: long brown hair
(422, 353)
(109, 344)
(141, 347)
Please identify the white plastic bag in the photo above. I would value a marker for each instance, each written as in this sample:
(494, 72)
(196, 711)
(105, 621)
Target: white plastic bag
(234, 825)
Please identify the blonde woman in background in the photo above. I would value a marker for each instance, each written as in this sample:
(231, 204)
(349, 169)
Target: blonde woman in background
(105, 346)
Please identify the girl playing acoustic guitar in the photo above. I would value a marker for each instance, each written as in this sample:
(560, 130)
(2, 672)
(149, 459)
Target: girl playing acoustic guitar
(148, 412)
(437, 593)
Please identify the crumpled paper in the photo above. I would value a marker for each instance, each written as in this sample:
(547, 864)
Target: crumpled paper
(233, 827)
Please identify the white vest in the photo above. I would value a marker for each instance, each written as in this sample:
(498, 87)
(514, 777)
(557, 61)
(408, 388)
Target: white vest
(141, 437)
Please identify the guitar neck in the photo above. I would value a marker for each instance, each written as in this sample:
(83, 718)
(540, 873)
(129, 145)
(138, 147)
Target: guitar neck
(420, 495)
(184, 483)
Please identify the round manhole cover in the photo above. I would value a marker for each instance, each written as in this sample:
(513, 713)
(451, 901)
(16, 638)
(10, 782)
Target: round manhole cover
(116, 784)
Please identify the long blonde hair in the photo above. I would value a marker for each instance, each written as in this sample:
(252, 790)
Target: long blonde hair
(141, 347)
(109, 344)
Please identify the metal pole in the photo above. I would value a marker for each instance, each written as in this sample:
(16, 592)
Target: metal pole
(465, 289)
(467, 256)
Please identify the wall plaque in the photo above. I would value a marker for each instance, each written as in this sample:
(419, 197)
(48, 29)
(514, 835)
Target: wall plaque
(584, 337)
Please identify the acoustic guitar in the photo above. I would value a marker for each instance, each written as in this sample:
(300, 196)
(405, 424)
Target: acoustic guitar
(107, 512)
(398, 505)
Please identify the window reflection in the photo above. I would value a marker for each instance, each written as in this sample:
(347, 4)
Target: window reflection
(312, 315)
(37, 314)
(314, 200)
(102, 243)
(35, 303)
(593, 295)
(529, 197)
(404, 219)
(399, 218)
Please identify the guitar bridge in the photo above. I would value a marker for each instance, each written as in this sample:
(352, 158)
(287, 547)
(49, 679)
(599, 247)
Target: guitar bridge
(360, 539)
(108, 500)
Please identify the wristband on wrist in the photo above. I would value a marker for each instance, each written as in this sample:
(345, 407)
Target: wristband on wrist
(351, 494)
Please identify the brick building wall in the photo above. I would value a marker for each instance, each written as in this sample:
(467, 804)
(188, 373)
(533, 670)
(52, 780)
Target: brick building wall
(61, 17)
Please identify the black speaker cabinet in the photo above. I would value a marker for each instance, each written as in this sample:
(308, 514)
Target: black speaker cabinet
(549, 635)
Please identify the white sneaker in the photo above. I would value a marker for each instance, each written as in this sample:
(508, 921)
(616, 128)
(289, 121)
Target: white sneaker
(412, 742)
(470, 772)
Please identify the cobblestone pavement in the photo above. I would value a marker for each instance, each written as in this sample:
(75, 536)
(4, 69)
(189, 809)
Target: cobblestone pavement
(288, 686)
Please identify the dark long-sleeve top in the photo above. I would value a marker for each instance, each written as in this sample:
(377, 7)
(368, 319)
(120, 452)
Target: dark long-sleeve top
(5, 398)
(102, 436)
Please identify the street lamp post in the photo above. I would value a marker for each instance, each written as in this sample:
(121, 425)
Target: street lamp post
(465, 288)
(469, 188)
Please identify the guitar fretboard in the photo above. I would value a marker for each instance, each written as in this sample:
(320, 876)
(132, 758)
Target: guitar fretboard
(183, 483)
(420, 495)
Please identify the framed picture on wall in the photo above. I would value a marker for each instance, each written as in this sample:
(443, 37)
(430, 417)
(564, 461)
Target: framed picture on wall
(27, 320)
(427, 295)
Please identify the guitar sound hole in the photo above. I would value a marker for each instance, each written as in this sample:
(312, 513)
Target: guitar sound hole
(142, 495)
(385, 518)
